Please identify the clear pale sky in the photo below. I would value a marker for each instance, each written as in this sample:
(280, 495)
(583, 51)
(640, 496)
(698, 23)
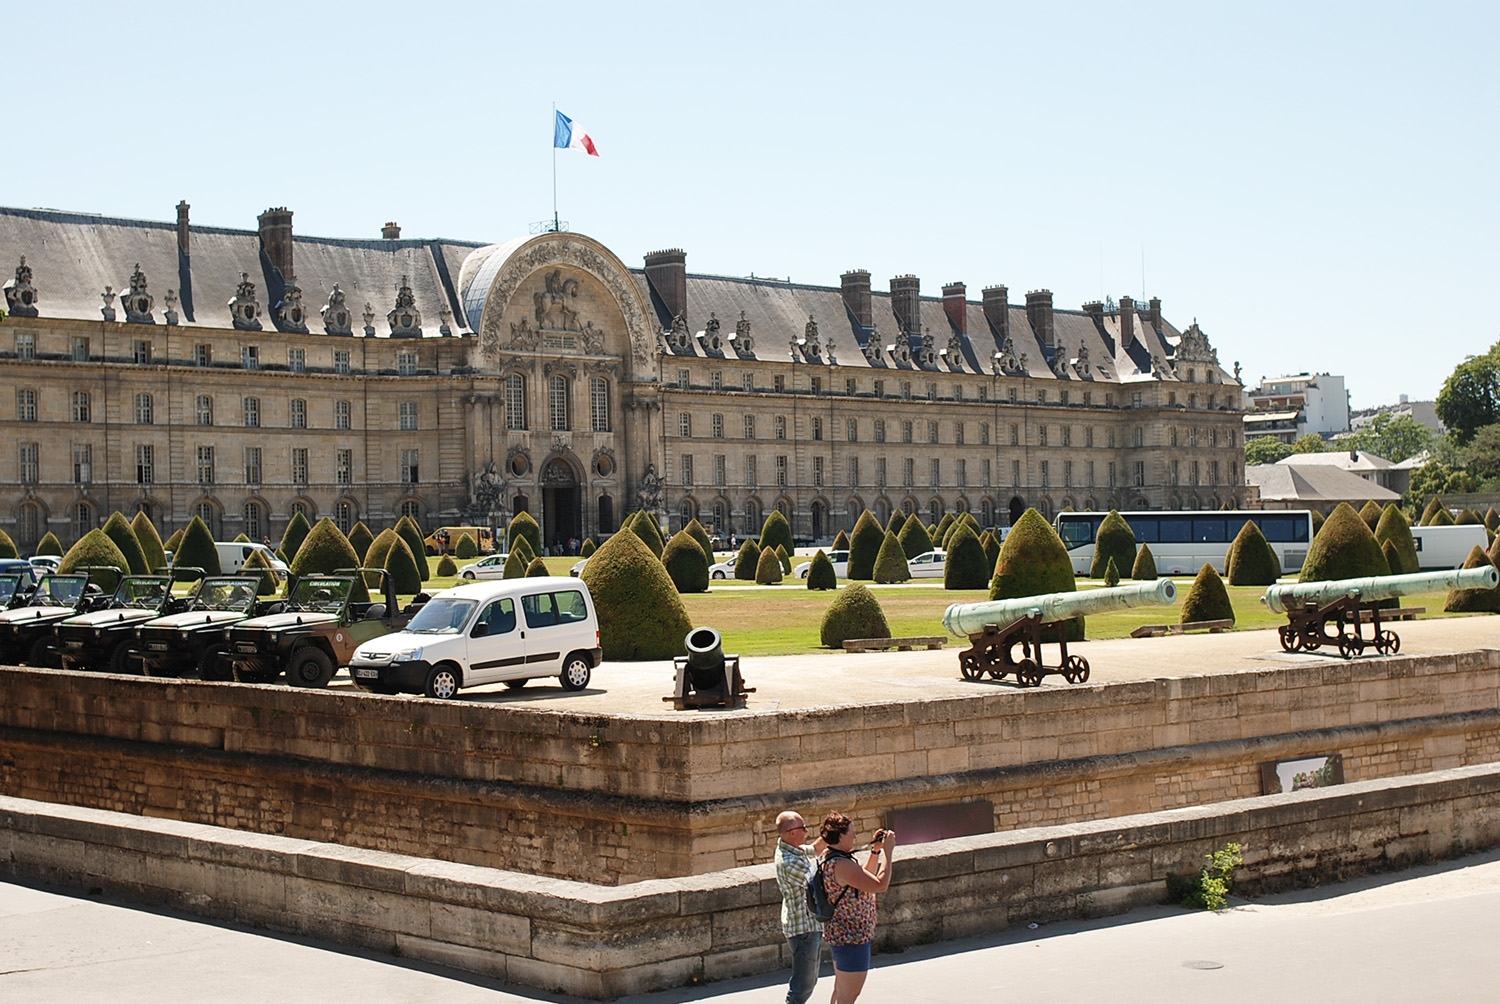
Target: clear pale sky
(1314, 182)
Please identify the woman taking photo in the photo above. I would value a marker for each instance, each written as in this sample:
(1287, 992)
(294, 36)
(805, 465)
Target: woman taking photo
(852, 888)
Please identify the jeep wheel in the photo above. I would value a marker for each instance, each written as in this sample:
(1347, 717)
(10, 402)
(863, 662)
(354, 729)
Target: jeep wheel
(119, 658)
(576, 672)
(41, 655)
(310, 667)
(212, 665)
(442, 683)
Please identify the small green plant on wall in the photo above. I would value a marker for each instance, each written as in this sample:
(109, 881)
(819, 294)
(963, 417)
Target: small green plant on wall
(1209, 889)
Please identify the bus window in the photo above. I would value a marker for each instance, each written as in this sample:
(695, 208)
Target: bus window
(1147, 530)
(1208, 531)
(1076, 532)
(1277, 529)
(1176, 531)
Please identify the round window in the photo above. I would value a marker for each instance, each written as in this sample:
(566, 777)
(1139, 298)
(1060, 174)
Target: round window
(604, 466)
(519, 465)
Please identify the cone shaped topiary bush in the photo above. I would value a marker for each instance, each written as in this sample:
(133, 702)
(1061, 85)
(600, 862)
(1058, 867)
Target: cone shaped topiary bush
(1252, 561)
(148, 538)
(854, 613)
(416, 542)
(1208, 600)
(1474, 600)
(768, 568)
(748, 562)
(1317, 521)
(401, 563)
(644, 527)
(785, 559)
(172, 543)
(49, 544)
(1111, 574)
(820, 573)
(117, 529)
(523, 524)
(864, 546)
(1392, 556)
(240, 538)
(360, 538)
(841, 541)
(1344, 549)
(588, 548)
(1144, 569)
(686, 563)
(1469, 518)
(640, 614)
(297, 529)
(1432, 508)
(939, 532)
(1441, 518)
(467, 546)
(516, 564)
(375, 554)
(7, 546)
(992, 552)
(1491, 520)
(1034, 561)
(196, 548)
(896, 522)
(95, 550)
(325, 549)
(523, 548)
(776, 532)
(695, 530)
(914, 539)
(537, 569)
(258, 564)
(890, 563)
(1371, 512)
(966, 566)
(1115, 539)
(1394, 530)
(1494, 551)
(447, 566)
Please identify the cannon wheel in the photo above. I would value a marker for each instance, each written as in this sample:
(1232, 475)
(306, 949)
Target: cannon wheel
(1290, 639)
(1028, 673)
(970, 667)
(1076, 669)
(1388, 643)
(1350, 646)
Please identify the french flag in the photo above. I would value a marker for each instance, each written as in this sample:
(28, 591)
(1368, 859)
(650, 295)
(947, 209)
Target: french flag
(566, 136)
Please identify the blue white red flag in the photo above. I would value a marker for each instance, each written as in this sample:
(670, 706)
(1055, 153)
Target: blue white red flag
(567, 136)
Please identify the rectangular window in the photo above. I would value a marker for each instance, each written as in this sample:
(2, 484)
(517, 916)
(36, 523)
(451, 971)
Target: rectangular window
(958, 433)
(984, 393)
(1064, 396)
(961, 473)
(31, 463)
(25, 405)
(716, 380)
(906, 390)
(341, 363)
(850, 386)
(817, 428)
(986, 473)
(409, 467)
(1173, 473)
(143, 409)
(749, 426)
(853, 427)
(252, 412)
(344, 467)
(937, 472)
(747, 382)
(1091, 474)
(1067, 474)
(1135, 399)
(932, 432)
(408, 416)
(752, 475)
(880, 388)
(252, 465)
(83, 463)
(80, 351)
(717, 423)
(1213, 472)
(299, 413)
(781, 471)
(1041, 435)
(817, 472)
(250, 357)
(1111, 438)
(905, 432)
(515, 401)
(908, 472)
(1012, 394)
(204, 406)
(853, 472)
(1111, 473)
(1140, 473)
(684, 425)
(1194, 469)
(140, 352)
(296, 360)
(145, 465)
(205, 465)
(25, 346)
(406, 363)
(1045, 474)
(958, 392)
(560, 403)
(780, 426)
(299, 466)
(599, 404)
(1088, 436)
(1041, 396)
(1140, 437)
(1067, 433)
(81, 406)
(1088, 398)
(984, 434)
(687, 470)
(1015, 435)
(203, 355)
(683, 379)
(880, 471)
(817, 385)
(880, 430)
(1015, 473)
(341, 415)
(932, 392)
(720, 473)
(778, 383)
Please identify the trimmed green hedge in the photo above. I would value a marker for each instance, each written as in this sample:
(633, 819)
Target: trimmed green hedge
(686, 562)
(117, 529)
(49, 544)
(1207, 599)
(890, 563)
(768, 569)
(864, 546)
(1344, 549)
(360, 538)
(148, 538)
(416, 542)
(1144, 569)
(1033, 561)
(1474, 600)
(1116, 540)
(776, 532)
(820, 573)
(854, 613)
(447, 566)
(297, 529)
(95, 550)
(749, 561)
(1251, 560)
(523, 524)
(640, 614)
(196, 548)
(1395, 531)
(966, 566)
(914, 538)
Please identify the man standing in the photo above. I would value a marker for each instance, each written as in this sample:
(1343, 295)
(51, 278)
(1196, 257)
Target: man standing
(795, 861)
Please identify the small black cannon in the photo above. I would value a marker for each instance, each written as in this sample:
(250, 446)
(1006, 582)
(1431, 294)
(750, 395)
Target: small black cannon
(706, 677)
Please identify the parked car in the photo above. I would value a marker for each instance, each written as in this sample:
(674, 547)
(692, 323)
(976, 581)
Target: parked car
(103, 638)
(16, 585)
(492, 567)
(577, 569)
(723, 569)
(489, 632)
(26, 631)
(193, 640)
(44, 562)
(927, 565)
(840, 561)
(234, 553)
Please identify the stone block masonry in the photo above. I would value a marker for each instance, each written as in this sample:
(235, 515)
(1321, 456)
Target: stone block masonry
(615, 799)
(601, 942)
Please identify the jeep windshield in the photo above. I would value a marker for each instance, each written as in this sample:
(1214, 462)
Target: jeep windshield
(8, 586)
(59, 591)
(226, 594)
(324, 595)
(441, 616)
(142, 593)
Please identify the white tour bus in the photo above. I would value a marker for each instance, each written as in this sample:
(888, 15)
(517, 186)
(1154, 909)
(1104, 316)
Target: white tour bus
(1184, 541)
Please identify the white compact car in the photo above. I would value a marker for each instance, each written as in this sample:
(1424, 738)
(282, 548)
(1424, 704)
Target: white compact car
(492, 567)
(927, 565)
(723, 569)
(508, 631)
(840, 561)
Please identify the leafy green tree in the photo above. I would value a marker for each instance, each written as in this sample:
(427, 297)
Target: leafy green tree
(841, 541)
(95, 550)
(1394, 437)
(49, 544)
(1470, 398)
(1115, 540)
(1251, 560)
(966, 566)
(644, 526)
(516, 564)
(1437, 477)
(1344, 549)
(523, 524)
(466, 547)
(1310, 443)
(360, 538)
(416, 542)
(1371, 513)
(196, 548)
(897, 521)
(1207, 599)
(1395, 532)
(854, 613)
(1482, 455)
(1111, 574)
(1144, 569)
(1265, 450)
(695, 530)
(401, 563)
(1033, 561)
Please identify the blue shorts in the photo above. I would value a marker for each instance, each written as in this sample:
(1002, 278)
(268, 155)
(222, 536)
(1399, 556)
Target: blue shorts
(851, 958)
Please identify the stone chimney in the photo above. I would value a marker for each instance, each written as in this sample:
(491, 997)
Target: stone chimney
(997, 311)
(1039, 313)
(906, 301)
(1155, 302)
(666, 271)
(184, 233)
(390, 232)
(1094, 309)
(1127, 320)
(276, 238)
(856, 286)
(956, 306)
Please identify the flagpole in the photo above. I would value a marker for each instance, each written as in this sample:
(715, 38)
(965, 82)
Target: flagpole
(555, 226)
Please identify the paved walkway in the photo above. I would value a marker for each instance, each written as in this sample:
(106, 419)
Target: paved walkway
(1423, 935)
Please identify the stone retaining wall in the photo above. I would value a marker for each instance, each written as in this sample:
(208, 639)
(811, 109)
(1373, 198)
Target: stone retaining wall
(622, 798)
(600, 942)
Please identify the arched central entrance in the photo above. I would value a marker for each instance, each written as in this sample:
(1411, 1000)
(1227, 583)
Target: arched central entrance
(562, 510)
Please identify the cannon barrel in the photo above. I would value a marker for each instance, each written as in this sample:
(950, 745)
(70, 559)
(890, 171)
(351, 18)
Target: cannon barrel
(1377, 587)
(964, 619)
(705, 658)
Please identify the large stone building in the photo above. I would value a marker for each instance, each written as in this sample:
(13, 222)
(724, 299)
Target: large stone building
(242, 375)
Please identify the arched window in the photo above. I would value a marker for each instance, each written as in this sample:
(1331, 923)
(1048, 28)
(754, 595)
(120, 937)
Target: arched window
(599, 404)
(29, 525)
(721, 517)
(934, 512)
(559, 407)
(303, 509)
(688, 510)
(83, 519)
(752, 517)
(255, 520)
(412, 508)
(209, 513)
(343, 515)
(515, 401)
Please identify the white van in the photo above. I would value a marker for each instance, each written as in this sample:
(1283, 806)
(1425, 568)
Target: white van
(510, 631)
(1443, 547)
(234, 554)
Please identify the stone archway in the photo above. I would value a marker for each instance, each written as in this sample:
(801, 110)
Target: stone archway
(562, 503)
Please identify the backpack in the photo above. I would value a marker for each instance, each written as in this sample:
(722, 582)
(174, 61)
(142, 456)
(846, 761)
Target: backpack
(818, 902)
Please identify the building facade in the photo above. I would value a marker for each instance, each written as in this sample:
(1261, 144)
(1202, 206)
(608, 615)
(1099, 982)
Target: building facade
(280, 373)
(1290, 407)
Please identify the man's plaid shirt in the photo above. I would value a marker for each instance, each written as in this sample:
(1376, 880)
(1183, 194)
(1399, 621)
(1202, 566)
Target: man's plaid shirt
(794, 866)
